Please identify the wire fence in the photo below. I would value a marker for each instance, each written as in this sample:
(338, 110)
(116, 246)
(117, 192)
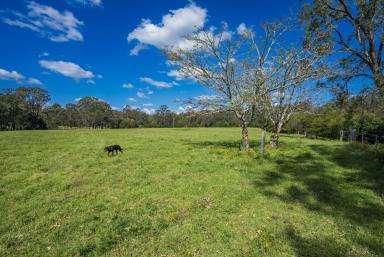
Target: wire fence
(351, 135)
(365, 138)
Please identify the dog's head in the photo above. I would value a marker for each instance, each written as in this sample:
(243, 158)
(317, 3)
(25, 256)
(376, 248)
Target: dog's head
(106, 149)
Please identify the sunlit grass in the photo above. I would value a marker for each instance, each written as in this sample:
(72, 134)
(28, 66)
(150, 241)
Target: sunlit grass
(186, 192)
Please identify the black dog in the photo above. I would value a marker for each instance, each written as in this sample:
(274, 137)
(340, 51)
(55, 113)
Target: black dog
(112, 149)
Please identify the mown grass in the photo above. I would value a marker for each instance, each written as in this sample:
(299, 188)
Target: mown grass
(186, 192)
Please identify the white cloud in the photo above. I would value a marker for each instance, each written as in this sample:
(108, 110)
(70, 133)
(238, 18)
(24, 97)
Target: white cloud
(18, 77)
(173, 29)
(241, 29)
(34, 81)
(10, 75)
(44, 54)
(149, 91)
(68, 69)
(141, 94)
(78, 99)
(149, 110)
(91, 3)
(186, 108)
(131, 99)
(48, 22)
(148, 104)
(159, 84)
(127, 85)
(176, 74)
(115, 108)
(135, 51)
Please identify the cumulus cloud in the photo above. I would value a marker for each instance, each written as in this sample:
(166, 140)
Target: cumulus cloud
(92, 3)
(127, 85)
(148, 104)
(141, 94)
(135, 50)
(10, 75)
(149, 91)
(149, 110)
(131, 99)
(241, 29)
(186, 108)
(68, 69)
(159, 84)
(44, 54)
(176, 74)
(172, 30)
(34, 81)
(48, 22)
(18, 77)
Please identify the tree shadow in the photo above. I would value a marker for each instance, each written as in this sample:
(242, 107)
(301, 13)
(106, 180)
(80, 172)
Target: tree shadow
(337, 180)
(366, 162)
(342, 181)
(227, 144)
(314, 247)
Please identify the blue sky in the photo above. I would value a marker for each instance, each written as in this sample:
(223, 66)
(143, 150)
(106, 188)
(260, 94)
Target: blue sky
(76, 48)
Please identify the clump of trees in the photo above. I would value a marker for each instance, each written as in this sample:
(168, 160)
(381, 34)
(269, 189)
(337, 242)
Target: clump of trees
(251, 74)
(21, 108)
(359, 118)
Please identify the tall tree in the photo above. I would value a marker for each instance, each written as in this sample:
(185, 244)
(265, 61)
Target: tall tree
(231, 67)
(292, 73)
(95, 113)
(354, 29)
(11, 110)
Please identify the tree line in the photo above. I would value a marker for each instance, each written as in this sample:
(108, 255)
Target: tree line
(26, 108)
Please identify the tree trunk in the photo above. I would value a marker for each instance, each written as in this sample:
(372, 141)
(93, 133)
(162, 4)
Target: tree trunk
(274, 141)
(341, 135)
(244, 133)
(262, 142)
(378, 78)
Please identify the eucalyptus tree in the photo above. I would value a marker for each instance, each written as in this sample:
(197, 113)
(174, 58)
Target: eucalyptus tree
(354, 31)
(291, 83)
(231, 66)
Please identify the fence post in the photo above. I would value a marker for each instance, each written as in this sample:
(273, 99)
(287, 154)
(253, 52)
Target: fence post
(341, 135)
(362, 138)
(262, 143)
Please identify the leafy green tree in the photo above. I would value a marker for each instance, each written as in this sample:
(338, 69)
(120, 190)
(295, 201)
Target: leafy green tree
(353, 30)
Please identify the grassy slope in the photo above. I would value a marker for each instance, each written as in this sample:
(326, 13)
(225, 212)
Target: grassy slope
(186, 192)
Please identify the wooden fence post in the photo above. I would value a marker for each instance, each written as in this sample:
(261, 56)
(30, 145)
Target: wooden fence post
(262, 143)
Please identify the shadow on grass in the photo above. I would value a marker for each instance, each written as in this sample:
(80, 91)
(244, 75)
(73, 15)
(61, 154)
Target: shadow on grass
(343, 181)
(229, 144)
(315, 247)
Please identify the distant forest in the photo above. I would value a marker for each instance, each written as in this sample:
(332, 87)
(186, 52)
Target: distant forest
(349, 117)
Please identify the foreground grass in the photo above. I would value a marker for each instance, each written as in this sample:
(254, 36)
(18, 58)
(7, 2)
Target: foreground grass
(186, 192)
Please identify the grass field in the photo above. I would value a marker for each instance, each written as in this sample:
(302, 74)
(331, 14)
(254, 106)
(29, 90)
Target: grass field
(186, 192)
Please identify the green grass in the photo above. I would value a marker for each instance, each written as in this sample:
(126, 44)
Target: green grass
(186, 192)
